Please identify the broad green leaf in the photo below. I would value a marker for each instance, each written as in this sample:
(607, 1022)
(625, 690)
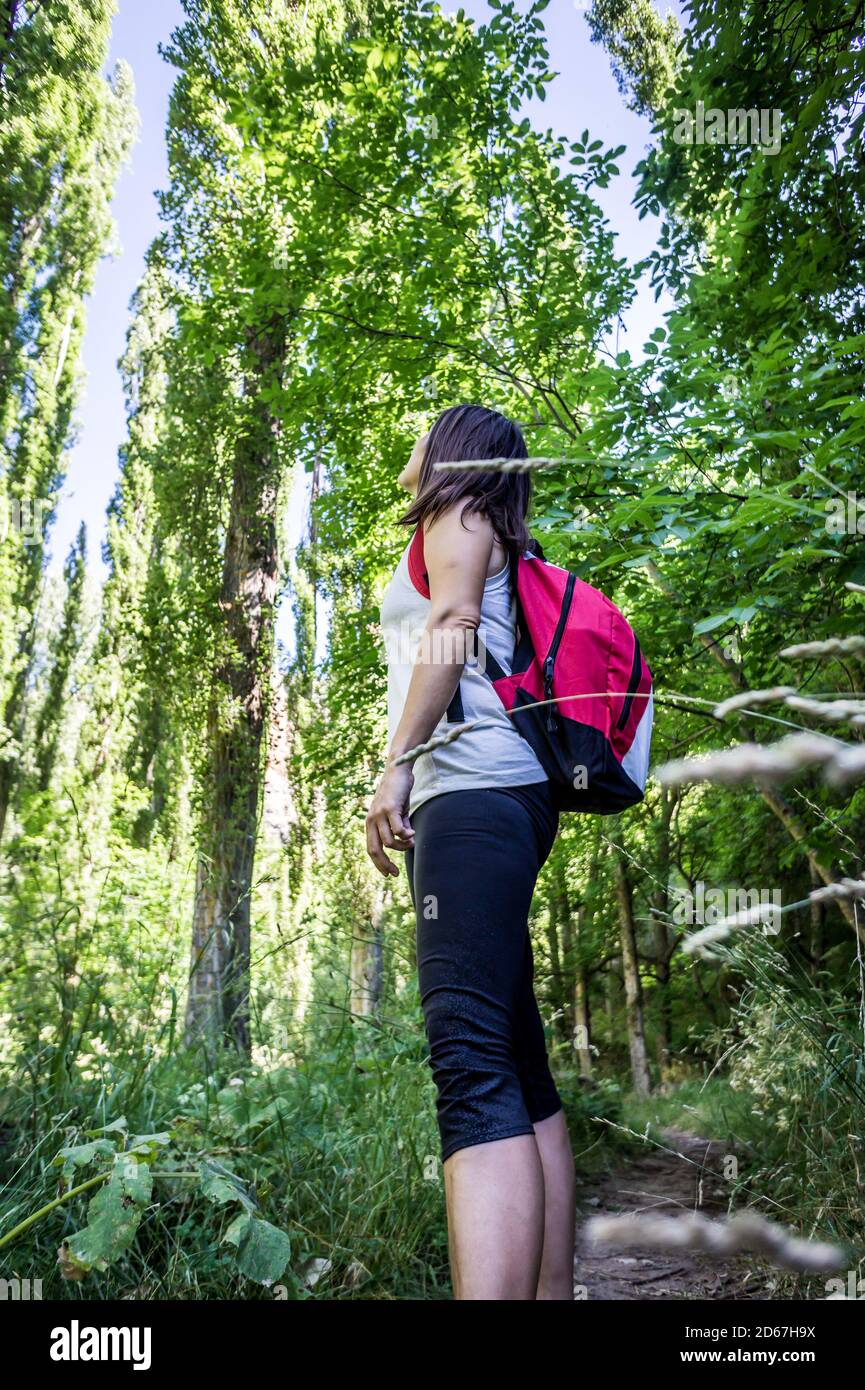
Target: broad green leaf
(118, 1126)
(263, 1250)
(114, 1215)
(149, 1144)
(220, 1185)
(80, 1155)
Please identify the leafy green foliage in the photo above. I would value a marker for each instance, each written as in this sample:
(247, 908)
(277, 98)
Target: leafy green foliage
(361, 227)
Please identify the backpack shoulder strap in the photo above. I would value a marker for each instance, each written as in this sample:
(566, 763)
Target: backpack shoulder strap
(416, 567)
(486, 661)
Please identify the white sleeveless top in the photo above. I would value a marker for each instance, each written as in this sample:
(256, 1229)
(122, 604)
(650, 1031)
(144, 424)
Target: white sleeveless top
(492, 755)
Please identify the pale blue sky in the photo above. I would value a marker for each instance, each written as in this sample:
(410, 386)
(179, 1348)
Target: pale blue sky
(584, 94)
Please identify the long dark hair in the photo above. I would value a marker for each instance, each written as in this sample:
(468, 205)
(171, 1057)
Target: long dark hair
(474, 432)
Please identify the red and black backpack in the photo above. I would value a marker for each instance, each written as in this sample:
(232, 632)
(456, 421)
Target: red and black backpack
(574, 647)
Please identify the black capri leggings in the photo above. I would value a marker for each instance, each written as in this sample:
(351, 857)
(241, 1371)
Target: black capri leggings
(472, 873)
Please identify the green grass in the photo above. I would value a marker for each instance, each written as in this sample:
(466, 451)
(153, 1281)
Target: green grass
(710, 1109)
(337, 1149)
(340, 1150)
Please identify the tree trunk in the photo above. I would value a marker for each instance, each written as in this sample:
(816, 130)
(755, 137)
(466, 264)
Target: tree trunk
(633, 990)
(818, 931)
(367, 958)
(554, 912)
(568, 963)
(582, 1006)
(218, 1001)
(612, 995)
(664, 1021)
(663, 947)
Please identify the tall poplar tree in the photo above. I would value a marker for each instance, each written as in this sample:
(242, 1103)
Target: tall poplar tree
(64, 133)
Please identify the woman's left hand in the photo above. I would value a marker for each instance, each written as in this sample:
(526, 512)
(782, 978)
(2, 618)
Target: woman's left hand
(387, 822)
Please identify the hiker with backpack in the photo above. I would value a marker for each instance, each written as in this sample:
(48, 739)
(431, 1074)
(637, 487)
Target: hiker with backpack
(535, 696)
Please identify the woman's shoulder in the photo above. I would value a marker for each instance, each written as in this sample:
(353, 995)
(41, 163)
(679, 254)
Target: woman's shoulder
(463, 514)
(464, 534)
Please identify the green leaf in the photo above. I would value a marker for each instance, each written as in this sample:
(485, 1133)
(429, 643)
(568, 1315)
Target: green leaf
(148, 1144)
(732, 615)
(80, 1155)
(113, 1215)
(263, 1250)
(787, 439)
(709, 624)
(220, 1185)
(118, 1126)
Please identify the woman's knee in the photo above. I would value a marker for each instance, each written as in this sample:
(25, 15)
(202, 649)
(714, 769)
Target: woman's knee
(479, 1093)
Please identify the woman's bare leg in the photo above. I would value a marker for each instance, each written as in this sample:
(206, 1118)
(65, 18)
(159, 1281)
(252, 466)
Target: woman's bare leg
(556, 1279)
(495, 1203)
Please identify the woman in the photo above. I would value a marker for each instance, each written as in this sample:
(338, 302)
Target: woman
(476, 820)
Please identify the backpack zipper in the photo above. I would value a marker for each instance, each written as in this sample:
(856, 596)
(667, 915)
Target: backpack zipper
(549, 664)
(636, 671)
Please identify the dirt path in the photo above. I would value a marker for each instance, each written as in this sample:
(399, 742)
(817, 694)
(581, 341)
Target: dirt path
(685, 1176)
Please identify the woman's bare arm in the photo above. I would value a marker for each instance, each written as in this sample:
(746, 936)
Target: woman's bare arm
(457, 557)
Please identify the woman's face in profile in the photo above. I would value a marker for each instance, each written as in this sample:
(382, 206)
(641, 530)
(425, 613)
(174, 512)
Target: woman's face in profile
(410, 475)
